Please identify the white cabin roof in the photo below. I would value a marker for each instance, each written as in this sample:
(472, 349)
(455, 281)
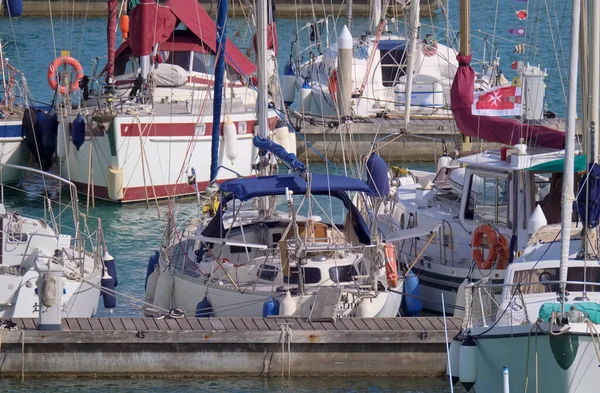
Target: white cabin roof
(490, 159)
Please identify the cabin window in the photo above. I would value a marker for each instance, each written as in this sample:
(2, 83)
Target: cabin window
(548, 194)
(552, 274)
(312, 275)
(488, 200)
(238, 249)
(203, 62)
(393, 63)
(125, 64)
(268, 272)
(344, 273)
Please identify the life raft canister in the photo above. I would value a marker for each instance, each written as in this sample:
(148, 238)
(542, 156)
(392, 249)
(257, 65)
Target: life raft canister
(62, 61)
(498, 248)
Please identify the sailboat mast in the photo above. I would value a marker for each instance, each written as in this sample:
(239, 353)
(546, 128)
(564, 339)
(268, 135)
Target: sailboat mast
(413, 29)
(465, 49)
(218, 92)
(594, 110)
(111, 36)
(568, 175)
(261, 62)
(349, 14)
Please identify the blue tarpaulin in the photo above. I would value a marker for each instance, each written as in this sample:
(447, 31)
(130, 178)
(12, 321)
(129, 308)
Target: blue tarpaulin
(245, 189)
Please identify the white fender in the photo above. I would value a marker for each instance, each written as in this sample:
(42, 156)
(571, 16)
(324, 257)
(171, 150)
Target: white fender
(287, 305)
(305, 97)
(282, 135)
(467, 364)
(230, 137)
(63, 142)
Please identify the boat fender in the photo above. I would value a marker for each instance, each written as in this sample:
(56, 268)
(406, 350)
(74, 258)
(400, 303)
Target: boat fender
(152, 265)
(114, 180)
(305, 97)
(111, 266)
(289, 84)
(467, 364)
(454, 365)
(48, 291)
(365, 308)
(282, 135)
(391, 269)
(204, 309)
(78, 131)
(411, 301)
(270, 307)
(287, 305)
(31, 132)
(13, 7)
(230, 139)
(124, 26)
(63, 143)
(164, 289)
(108, 288)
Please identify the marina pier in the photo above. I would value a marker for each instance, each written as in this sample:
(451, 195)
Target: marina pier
(95, 347)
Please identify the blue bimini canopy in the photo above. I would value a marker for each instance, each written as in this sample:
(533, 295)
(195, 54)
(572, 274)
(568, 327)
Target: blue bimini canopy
(245, 189)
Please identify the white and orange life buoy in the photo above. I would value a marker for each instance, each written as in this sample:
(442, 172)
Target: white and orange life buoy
(63, 61)
(498, 248)
(391, 270)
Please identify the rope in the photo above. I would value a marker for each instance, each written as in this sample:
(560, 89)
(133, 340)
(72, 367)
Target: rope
(286, 338)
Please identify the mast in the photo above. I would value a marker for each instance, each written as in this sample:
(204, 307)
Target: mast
(594, 115)
(349, 14)
(568, 175)
(261, 63)
(111, 37)
(413, 30)
(218, 92)
(465, 49)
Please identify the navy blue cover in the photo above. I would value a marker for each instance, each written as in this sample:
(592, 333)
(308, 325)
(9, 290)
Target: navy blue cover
(245, 189)
(377, 176)
(593, 202)
(288, 159)
(78, 131)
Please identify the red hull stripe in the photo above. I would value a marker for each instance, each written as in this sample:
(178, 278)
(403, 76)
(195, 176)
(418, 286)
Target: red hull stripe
(181, 129)
(136, 194)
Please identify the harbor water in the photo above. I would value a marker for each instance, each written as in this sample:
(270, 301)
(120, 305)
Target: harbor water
(133, 232)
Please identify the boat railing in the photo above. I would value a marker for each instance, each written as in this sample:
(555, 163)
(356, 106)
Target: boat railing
(487, 304)
(315, 32)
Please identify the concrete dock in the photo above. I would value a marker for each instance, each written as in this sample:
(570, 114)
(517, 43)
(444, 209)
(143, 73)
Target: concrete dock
(96, 347)
(420, 143)
(285, 8)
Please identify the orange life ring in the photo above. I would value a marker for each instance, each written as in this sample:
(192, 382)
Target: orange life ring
(63, 61)
(333, 85)
(391, 270)
(498, 248)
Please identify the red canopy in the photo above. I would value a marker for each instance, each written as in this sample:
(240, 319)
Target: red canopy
(490, 128)
(152, 24)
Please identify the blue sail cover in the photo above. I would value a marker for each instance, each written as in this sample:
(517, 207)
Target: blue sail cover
(377, 176)
(245, 189)
(593, 200)
(288, 159)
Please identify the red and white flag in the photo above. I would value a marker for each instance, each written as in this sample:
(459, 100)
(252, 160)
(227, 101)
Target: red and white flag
(503, 100)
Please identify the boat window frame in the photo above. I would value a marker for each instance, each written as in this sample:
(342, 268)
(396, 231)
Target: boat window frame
(465, 197)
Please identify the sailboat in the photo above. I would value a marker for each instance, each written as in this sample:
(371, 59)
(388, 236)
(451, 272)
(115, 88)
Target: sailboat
(473, 212)
(253, 257)
(390, 71)
(544, 324)
(14, 99)
(145, 120)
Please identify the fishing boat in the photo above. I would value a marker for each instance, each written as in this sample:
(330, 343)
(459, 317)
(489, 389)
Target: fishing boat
(14, 99)
(247, 256)
(144, 127)
(541, 326)
(390, 71)
(51, 264)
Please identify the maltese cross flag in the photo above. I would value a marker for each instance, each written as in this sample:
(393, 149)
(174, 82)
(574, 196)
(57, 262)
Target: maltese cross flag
(503, 100)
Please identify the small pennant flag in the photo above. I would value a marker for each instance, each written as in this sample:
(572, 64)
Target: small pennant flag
(520, 48)
(521, 14)
(514, 65)
(520, 32)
